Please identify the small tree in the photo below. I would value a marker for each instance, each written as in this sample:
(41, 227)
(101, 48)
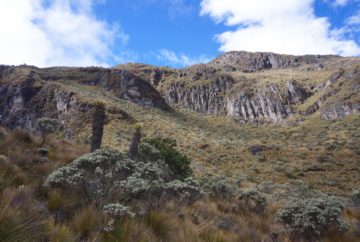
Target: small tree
(178, 163)
(98, 125)
(47, 126)
(135, 142)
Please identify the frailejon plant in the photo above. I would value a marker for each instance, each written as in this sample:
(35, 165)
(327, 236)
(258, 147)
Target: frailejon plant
(312, 217)
(135, 142)
(98, 125)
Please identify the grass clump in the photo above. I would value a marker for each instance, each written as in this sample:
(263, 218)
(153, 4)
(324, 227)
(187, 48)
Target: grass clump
(88, 222)
(17, 221)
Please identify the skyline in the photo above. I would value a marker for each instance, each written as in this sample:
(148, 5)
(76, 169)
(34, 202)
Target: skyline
(173, 33)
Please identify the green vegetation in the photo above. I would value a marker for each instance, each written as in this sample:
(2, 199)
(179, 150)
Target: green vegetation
(46, 127)
(178, 163)
(312, 217)
(130, 189)
(82, 201)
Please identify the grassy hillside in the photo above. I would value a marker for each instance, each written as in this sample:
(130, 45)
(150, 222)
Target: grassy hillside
(323, 153)
(294, 180)
(31, 212)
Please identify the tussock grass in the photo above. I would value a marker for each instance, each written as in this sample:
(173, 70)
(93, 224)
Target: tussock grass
(87, 222)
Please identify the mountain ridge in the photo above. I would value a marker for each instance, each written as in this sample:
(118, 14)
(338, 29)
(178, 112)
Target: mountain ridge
(298, 127)
(232, 85)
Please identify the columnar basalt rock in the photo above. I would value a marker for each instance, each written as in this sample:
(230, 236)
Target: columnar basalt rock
(204, 97)
(264, 105)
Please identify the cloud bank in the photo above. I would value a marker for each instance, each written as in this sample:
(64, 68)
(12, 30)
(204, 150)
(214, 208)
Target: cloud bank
(282, 26)
(57, 32)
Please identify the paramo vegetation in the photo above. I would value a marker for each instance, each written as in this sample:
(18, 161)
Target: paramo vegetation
(57, 191)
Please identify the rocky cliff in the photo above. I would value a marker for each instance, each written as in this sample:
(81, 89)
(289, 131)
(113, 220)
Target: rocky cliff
(27, 93)
(249, 87)
(223, 86)
(251, 62)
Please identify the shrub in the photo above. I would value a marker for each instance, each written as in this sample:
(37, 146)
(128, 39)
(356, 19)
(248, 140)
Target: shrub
(46, 127)
(107, 175)
(178, 163)
(147, 153)
(117, 210)
(220, 187)
(92, 175)
(312, 217)
(186, 191)
(252, 200)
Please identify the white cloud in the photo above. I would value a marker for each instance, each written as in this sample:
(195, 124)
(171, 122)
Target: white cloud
(56, 32)
(354, 20)
(340, 2)
(282, 26)
(169, 56)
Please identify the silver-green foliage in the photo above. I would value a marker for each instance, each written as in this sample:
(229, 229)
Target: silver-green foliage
(311, 217)
(117, 210)
(108, 175)
(220, 187)
(93, 174)
(47, 126)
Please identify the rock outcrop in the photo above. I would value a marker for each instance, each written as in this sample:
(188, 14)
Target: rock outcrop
(214, 97)
(251, 62)
(208, 97)
(339, 110)
(224, 86)
(268, 104)
(27, 93)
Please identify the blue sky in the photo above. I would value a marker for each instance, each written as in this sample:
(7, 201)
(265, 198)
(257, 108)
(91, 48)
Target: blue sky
(172, 32)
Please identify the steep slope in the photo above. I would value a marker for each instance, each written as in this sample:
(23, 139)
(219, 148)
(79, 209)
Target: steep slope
(309, 114)
(27, 93)
(263, 87)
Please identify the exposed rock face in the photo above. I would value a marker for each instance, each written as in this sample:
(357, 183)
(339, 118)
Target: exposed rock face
(130, 87)
(250, 62)
(27, 93)
(205, 98)
(50, 101)
(340, 95)
(153, 74)
(267, 104)
(340, 110)
(296, 93)
(221, 87)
